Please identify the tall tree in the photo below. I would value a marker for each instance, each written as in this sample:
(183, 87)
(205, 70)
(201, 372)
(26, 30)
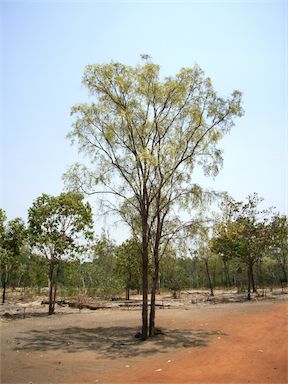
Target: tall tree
(57, 226)
(145, 136)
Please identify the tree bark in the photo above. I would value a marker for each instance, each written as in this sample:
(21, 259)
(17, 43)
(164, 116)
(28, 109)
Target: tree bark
(53, 277)
(153, 297)
(156, 267)
(127, 293)
(252, 278)
(50, 308)
(284, 273)
(145, 293)
(56, 270)
(145, 262)
(4, 292)
(4, 285)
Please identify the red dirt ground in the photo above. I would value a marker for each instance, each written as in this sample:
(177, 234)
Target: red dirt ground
(227, 343)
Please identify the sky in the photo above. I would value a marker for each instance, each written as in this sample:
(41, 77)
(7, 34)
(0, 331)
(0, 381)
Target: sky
(45, 46)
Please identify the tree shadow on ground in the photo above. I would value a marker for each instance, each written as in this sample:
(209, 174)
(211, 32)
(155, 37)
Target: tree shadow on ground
(112, 342)
(22, 315)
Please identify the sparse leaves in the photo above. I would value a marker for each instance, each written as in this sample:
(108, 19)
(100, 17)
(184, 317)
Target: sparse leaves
(144, 136)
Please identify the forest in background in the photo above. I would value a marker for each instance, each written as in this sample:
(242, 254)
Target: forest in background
(240, 252)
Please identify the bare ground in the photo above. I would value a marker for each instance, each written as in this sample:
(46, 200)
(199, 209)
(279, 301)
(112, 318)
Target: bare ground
(218, 343)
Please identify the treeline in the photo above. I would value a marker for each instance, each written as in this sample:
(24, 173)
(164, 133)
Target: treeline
(110, 273)
(244, 249)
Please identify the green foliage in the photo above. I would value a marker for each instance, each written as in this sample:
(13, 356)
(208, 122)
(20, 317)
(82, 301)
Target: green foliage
(13, 235)
(173, 276)
(12, 238)
(278, 249)
(32, 271)
(58, 225)
(127, 264)
(145, 136)
(103, 252)
(243, 235)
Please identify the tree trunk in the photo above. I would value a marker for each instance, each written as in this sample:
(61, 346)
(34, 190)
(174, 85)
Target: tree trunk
(145, 263)
(53, 276)
(4, 291)
(128, 286)
(249, 283)
(153, 297)
(284, 273)
(4, 285)
(127, 293)
(252, 278)
(156, 268)
(209, 277)
(145, 294)
(50, 308)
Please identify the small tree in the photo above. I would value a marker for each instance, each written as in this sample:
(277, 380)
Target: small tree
(57, 227)
(127, 265)
(203, 252)
(279, 243)
(173, 275)
(12, 238)
(244, 234)
(103, 253)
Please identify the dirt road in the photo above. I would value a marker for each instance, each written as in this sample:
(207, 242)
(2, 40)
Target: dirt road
(227, 343)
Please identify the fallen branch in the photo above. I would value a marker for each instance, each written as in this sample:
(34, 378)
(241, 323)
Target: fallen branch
(73, 304)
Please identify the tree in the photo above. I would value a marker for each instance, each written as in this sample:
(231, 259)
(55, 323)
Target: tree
(127, 265)
(244, 234)
(173, 275)
(57, 227)
(204, 253)
(12, 238)
(144, 137)
(279, 243)
(104, 253)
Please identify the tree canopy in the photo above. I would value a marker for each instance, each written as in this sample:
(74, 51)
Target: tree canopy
(57, 224)
(144, 137)
(12, 237)
(57, 227)
(244, 233)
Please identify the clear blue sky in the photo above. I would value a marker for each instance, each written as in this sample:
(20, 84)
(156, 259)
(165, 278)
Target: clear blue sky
(46, 44)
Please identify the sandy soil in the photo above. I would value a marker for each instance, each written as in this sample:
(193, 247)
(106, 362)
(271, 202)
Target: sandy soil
(222, 343)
